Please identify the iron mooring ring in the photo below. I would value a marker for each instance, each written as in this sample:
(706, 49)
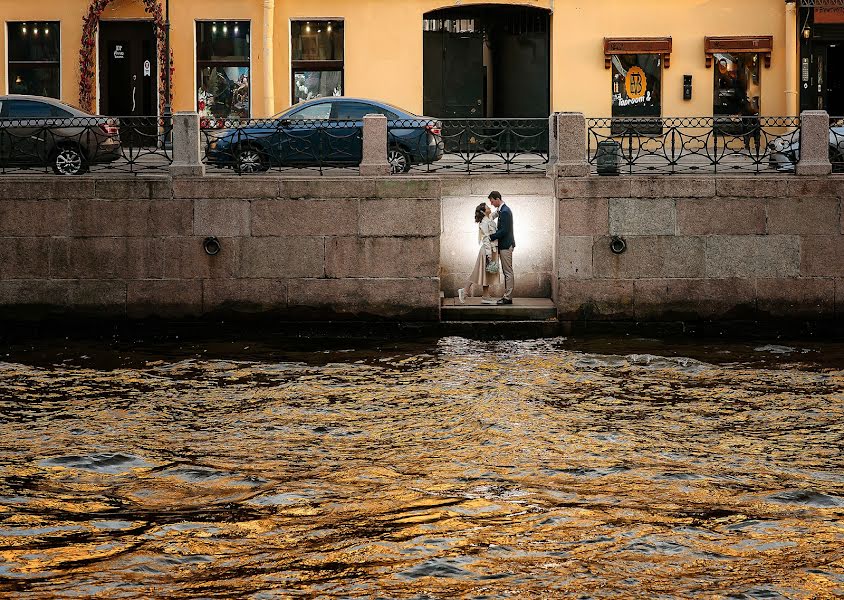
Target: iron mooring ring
(618, 245)
(212, 246)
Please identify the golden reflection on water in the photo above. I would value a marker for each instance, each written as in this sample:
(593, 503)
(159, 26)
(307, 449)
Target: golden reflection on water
(474, 469)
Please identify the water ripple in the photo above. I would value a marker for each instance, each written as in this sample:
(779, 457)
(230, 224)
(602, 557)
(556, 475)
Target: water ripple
(477, 469)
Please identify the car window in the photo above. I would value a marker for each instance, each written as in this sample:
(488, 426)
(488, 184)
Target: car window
(27, 109)
(313, 111)
(355, 111)
(60, 112)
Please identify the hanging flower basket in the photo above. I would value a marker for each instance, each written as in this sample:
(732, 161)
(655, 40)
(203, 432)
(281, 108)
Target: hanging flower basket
(87, 68)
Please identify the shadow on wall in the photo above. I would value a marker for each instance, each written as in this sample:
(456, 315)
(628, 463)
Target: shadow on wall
(533, 215)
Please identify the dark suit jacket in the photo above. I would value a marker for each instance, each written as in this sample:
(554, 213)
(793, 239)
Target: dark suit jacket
(504, 235)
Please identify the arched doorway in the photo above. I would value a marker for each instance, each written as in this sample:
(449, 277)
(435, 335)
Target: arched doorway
(487, 61)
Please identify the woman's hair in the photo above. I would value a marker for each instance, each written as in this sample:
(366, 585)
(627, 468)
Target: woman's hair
(480, 212)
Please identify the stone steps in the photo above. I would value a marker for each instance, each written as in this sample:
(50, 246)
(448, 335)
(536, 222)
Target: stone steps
(522, 309)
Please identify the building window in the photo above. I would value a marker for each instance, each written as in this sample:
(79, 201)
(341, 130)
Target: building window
(222, 67)
(34, 58)
(317, 59)
(637, 85)
(737, 90)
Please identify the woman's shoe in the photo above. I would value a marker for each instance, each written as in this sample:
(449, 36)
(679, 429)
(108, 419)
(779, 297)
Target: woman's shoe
(461, 295)
(489, 301)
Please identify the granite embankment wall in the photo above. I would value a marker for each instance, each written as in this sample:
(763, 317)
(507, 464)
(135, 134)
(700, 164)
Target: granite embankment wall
(721, 248)
(302, 249)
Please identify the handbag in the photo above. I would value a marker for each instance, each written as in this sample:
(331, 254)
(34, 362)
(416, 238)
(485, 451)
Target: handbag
(493, 267)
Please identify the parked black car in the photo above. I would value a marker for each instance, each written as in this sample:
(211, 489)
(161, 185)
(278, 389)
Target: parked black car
(325, 132)
(43, 132)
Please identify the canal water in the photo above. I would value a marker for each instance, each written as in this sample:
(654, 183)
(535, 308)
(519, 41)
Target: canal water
(444, 468)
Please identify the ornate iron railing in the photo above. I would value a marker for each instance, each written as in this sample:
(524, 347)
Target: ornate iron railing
(262, 145)
(836, 144)
(78, 145)
(469, 145)
(668, 146)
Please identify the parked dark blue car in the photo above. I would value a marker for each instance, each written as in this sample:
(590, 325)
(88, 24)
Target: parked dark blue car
(326, 132)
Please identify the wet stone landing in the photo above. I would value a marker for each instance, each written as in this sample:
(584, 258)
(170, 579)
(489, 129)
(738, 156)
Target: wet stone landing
(522, 309)
(559, 468)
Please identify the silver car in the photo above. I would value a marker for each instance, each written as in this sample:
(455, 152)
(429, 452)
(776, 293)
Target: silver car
(42, 132)
(785, 150)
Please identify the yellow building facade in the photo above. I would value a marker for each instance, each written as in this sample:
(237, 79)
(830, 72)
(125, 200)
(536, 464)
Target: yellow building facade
(464, 59)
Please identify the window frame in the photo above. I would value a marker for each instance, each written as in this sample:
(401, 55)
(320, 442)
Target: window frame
(56, 63)
(54, 110)
(299, 66)
(197, 69)
(657, 128)
(716, 88)
(294, 116)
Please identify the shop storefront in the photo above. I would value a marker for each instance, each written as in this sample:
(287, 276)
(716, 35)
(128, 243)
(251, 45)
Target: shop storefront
(493, 59)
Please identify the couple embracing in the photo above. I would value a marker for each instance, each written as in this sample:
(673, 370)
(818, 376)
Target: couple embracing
(496, 253)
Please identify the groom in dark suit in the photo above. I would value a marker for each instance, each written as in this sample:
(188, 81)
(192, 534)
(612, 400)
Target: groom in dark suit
(506, 244)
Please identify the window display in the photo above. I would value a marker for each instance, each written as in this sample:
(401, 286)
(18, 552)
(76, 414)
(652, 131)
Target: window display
(308, 85)
(317, 59)
(636, 85)
(223, 69)
(737, 90)
(34, 58)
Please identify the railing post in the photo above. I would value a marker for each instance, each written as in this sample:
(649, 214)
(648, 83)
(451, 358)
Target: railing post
(814, 143)
(374, 161)
(569, 139)
(187, 156)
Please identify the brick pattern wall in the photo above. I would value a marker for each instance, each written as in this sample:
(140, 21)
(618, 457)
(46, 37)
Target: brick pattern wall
(709, 248)
(317, 248)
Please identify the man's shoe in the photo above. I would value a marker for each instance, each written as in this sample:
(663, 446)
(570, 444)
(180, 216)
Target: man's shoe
(505, 301)
(461, 295)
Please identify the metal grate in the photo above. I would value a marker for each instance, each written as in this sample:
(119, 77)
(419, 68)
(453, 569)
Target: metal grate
(78, 145)
(669, 146)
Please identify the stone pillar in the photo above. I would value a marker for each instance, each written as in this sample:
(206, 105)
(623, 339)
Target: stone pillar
(814, 143)
(567, 156)
(187, 156)
(374, 160)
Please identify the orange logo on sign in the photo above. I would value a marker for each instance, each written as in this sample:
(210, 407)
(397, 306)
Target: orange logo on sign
(636, 84)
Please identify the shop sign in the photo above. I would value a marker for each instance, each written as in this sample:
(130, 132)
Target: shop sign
(636, 83)
(829, 15)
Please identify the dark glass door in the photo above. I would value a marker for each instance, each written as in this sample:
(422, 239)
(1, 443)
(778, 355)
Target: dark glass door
(834, 104)
(128, 79)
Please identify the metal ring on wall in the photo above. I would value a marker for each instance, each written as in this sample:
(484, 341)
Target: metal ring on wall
(618, 245)
(212, 246)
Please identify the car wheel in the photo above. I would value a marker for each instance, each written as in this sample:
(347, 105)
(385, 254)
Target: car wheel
(837, 160)
(399, 161)
(250, 159)
(69, 160)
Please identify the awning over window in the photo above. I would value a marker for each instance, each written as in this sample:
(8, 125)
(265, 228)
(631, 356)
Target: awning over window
(760, 44)
(655, 45)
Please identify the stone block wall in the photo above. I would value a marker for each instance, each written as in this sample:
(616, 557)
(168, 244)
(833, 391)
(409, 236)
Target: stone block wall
(719, 248)
(716, 248)
(532, 202)
(296, 248)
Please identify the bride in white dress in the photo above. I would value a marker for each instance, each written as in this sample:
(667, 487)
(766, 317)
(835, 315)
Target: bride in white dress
(487, 270)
